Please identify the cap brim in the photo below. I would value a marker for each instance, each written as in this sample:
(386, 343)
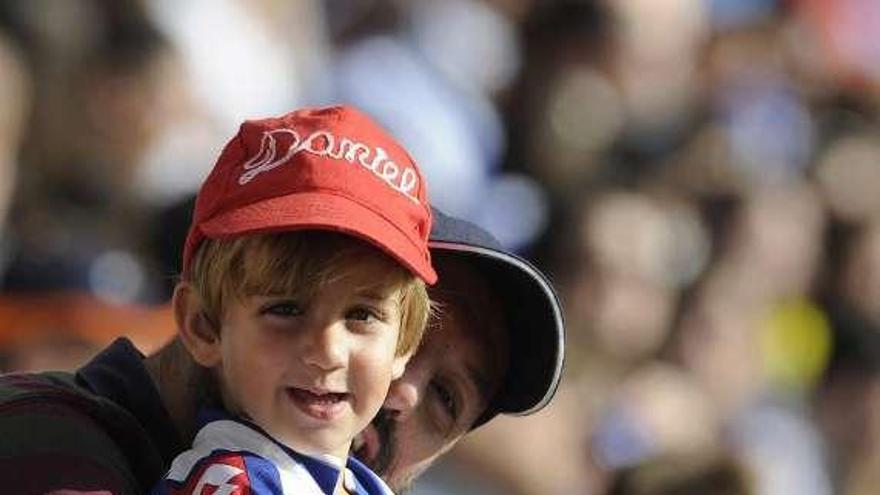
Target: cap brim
(534, 315)
(322, 211)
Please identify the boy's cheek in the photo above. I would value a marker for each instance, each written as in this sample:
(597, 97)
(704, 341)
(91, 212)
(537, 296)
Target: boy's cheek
(398, 365)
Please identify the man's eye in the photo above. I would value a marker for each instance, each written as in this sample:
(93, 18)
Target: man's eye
(446, 399)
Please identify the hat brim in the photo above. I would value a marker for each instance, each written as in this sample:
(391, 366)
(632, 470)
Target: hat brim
(537, 333)
(323, 211)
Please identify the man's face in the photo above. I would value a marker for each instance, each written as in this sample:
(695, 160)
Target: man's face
(446, 385)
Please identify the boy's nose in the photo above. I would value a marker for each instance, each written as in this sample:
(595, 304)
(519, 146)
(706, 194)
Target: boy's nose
(327, 346)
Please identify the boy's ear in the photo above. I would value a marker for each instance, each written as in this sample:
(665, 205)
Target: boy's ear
(398, 366)
(199, 336)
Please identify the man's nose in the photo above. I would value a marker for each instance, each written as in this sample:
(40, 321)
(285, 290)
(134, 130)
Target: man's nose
(403, 397)
(327, 345)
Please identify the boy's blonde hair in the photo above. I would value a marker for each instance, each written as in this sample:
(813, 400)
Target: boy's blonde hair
(298, 263)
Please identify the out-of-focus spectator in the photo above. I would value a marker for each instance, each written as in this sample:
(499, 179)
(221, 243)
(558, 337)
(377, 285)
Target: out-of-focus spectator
(847, 401)
(703, 474)
(658, 410)
(15, 99)
(78, 221)
(274, 53)
(450, 61)
(98, 78)
(636, 252)
(859, 277)
(848, 408)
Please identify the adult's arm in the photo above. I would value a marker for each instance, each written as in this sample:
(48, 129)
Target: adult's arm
(51, 441)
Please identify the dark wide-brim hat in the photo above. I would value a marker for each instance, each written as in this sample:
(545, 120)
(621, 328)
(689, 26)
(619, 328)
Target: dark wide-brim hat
(532, 313)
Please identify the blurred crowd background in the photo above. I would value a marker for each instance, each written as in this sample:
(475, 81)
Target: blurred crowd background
(699, 178)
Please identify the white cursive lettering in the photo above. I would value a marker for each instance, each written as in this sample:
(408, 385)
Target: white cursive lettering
(274, 152)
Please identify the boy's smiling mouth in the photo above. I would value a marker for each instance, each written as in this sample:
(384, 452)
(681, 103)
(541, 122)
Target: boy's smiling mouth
(318, 404)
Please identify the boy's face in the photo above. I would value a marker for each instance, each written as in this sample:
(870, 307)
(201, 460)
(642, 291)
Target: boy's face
(313, 372)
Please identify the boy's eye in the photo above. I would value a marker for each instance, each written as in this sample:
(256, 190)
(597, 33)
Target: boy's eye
(283, 308)
(362, 314)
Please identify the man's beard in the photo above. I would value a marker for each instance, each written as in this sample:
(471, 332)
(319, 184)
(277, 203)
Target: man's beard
(381, 463)
(386, 454)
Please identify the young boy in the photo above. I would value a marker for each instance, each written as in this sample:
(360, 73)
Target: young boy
(303, 296)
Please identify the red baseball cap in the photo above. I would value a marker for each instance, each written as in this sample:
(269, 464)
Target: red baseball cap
(329, 168)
